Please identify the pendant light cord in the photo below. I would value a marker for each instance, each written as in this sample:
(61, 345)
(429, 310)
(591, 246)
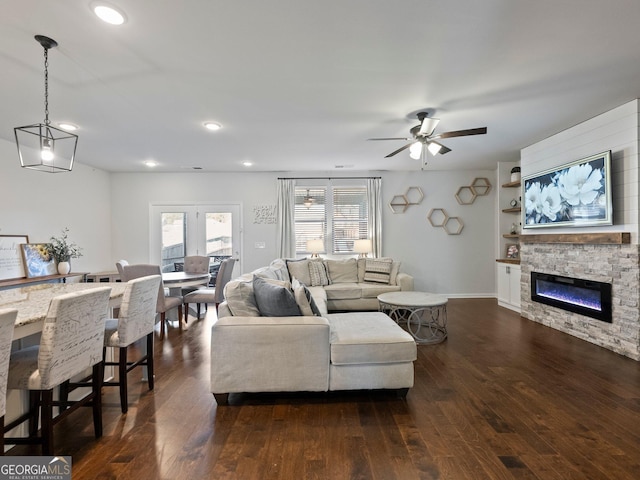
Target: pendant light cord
(46, 86)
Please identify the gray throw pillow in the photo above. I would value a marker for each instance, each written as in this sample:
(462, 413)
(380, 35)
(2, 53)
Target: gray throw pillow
(274, 300)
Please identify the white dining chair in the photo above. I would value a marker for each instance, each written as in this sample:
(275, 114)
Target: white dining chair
(211, 295)
(7, 322)
(136, 320)
(71, 343)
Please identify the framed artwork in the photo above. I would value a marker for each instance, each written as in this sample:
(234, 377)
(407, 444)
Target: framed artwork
(513, 251)
(37, 261)
(576, 194)
(11, 264)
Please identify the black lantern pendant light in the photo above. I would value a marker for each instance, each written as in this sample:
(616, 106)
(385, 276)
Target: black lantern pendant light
(41, 146)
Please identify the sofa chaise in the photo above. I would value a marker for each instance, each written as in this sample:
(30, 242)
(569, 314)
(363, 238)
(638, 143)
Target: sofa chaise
(275, 334)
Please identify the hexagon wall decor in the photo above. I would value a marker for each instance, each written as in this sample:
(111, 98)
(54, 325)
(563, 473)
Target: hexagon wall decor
(438, 217)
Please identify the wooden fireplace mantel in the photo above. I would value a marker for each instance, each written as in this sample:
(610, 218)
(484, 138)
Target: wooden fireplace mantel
(605, 238)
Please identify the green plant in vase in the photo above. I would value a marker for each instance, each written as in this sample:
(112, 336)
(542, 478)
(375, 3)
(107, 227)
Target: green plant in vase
(62, 250)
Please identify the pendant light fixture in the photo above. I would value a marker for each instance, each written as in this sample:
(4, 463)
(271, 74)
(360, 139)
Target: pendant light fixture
(42, 146)
(308, 200)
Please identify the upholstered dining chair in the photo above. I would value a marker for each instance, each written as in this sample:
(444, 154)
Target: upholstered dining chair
(136, 320)
(164, 302)
(211, 295)
(120, 266)
(71, 342)
(195, 264)
(7, 322)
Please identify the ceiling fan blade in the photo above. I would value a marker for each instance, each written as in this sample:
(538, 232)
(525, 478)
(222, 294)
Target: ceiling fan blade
(463, 133)
(399, 150)
(428, 126)
(390, 138)
(441, 151)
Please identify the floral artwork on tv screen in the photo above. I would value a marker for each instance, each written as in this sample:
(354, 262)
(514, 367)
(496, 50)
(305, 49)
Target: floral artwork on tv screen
(576, 194)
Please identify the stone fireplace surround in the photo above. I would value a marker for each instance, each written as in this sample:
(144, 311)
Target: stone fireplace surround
(607, 257)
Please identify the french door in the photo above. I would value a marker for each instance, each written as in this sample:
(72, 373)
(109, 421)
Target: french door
(176, 231)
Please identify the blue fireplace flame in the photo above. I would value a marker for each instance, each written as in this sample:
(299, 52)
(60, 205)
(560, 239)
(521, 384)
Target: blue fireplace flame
(573, 295)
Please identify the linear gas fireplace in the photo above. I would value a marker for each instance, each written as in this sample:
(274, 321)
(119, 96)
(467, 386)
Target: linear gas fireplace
(585, 297)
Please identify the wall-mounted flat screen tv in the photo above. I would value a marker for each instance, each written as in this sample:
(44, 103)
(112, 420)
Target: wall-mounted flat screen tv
(577, 194)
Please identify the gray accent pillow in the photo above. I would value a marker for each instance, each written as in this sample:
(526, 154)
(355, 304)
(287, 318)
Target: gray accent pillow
(274, 300)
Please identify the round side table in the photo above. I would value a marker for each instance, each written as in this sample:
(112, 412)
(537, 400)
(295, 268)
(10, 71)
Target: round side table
(425, 314)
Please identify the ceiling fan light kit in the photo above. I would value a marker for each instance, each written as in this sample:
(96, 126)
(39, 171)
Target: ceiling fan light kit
(308, 201)
(42, 146)
(423, 138)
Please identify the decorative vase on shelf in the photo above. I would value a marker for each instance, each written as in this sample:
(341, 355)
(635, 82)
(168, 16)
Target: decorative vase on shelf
(515, 174)
(64, 268)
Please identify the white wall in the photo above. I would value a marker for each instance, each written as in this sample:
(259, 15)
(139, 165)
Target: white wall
(615, 130)
(40, 205)
(108, 216)
(452, 264)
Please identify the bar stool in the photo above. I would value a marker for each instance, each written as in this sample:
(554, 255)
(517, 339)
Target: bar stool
(137, 319)
(7, 322)
(71, 343)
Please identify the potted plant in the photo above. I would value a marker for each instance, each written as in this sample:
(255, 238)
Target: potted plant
(62, 250)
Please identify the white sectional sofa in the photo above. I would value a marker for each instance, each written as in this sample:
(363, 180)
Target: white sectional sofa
(275, 334)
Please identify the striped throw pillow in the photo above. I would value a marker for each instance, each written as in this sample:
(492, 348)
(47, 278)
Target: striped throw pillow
(318, 273)
(377, 270)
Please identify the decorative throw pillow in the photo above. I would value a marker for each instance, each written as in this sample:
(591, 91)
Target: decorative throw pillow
(395, 268)
(342, 271)
(240, 299)
(304, 299)
(300, 270)
(274, 300)
(378, 270)
(318, 274)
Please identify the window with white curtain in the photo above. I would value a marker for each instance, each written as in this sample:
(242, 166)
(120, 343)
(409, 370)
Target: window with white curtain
(337, 214)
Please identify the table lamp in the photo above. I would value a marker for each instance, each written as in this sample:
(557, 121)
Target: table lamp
(362, 247)
(315, 247)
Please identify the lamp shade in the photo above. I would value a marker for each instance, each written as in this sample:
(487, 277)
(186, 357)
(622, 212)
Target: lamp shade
(362, 246)
(415, 150)
(315, 246)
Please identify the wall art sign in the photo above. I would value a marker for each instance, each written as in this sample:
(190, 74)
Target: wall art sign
(11, 264)
(264, 214)
(576, 194)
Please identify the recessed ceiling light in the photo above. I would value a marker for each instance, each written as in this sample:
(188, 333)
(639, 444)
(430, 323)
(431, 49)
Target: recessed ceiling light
(212, 126)
(247, 164)
(151, 163)
(108, 13)
(68, 126)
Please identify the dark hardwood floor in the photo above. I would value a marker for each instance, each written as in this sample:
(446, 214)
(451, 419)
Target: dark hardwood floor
(502, 397)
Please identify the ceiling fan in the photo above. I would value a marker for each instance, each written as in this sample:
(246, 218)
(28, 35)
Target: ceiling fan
(422, 137)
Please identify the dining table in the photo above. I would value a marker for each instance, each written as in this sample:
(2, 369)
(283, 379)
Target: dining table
(176, 281)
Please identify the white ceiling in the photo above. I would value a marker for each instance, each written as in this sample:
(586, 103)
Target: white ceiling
(301, 85)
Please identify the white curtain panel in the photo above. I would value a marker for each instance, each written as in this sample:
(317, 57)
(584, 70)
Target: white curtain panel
(374, 192)
(286, 224)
